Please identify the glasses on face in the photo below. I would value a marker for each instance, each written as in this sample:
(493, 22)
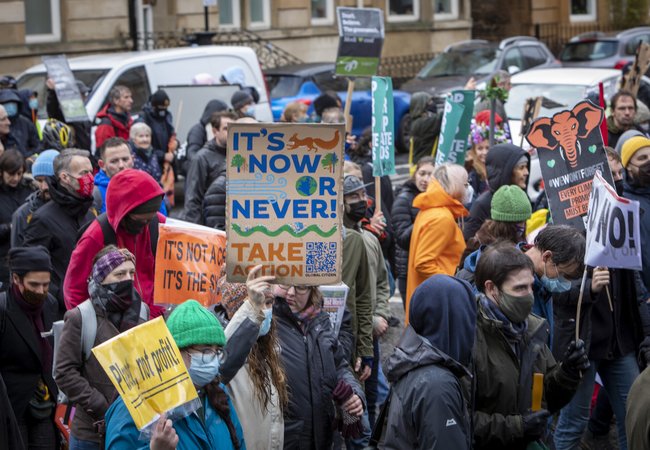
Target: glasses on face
(209, 354)
(298, 289)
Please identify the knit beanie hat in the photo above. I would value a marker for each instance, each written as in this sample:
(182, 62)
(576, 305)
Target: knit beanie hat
(240, 99)
(109, 262)
(44, 164)
(633, 145)
(510, 204)
(192, 324)
(626, 136)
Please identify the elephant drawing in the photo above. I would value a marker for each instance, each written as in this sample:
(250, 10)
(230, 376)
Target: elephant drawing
(565, 129)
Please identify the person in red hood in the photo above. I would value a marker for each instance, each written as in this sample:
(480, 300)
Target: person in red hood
(129, 216)
(114, 120)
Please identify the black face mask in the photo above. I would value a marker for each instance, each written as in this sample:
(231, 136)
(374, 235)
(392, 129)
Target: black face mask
(642, 178)
(618, 184)
(357, 210)
(122, 295)
(34, 298)
(133, 226)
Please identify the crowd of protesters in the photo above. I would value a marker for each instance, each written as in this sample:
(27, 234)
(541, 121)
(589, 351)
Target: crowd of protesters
(489, 294)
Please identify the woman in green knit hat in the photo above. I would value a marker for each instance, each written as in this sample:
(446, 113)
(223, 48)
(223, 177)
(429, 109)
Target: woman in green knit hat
(200, 338)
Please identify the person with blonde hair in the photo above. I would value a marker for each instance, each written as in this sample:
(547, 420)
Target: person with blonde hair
(294, 112)
(436, 240)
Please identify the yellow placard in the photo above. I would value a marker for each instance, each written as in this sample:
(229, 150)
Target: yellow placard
(146, 367)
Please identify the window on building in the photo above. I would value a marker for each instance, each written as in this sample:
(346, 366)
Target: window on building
(42, 21)
(583, 10)
(445, 9)
(229, 15)
(322, 12)
(259, 14)
(403, 10)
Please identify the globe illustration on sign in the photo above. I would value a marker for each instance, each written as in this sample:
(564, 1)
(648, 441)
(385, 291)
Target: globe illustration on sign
(306, 186)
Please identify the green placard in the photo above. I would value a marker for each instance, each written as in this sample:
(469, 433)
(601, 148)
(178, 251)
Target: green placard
(361, 37)
(455, 128)
(383, 127)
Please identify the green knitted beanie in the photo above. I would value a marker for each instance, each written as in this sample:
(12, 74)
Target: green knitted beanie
(510, 204)
(192, 324)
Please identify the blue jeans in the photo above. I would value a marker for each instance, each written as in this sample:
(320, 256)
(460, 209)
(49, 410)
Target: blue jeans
(78, 444)
(618, 376)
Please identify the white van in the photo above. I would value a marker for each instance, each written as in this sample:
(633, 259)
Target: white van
(144, 71)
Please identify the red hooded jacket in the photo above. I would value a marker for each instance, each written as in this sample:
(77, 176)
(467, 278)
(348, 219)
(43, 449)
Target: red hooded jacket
(110, 125)
(127, 190)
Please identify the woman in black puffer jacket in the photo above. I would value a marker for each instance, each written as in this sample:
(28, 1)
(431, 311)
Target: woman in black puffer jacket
(403, 216)
(214, 203)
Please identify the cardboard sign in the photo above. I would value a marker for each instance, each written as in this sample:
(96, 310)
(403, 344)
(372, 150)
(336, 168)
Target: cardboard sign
(188, 261)
(65, 86)
(383, 127)
(285, 202)
(632, 79)
(146, 367)
(455, 127)
(570, 150)
(334, 298)
(613, 229)
(361, 37)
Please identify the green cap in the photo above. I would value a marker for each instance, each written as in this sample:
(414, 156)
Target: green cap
(192, 324)
(510, 204)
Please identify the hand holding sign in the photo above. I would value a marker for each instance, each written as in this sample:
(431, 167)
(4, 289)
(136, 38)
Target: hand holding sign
(164, 435)
(258, 286)
(599, 279)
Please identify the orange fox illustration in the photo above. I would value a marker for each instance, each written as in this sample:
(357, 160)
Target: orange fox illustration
(313, 143)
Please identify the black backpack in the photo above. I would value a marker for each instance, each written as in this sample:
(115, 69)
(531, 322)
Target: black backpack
(109, 234)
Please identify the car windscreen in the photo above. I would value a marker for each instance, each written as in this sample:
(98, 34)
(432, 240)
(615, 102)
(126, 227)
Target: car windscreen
(36, 82)
(557, 97)
(283, 85)
(588, 51)
(466, 62)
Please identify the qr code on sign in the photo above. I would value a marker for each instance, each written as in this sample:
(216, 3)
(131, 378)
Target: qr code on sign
(321, 257)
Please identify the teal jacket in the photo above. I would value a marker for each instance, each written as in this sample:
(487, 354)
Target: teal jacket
(121, 433)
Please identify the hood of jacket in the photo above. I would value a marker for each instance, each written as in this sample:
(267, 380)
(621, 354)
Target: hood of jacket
(10, 95)
(472, 259)
(500, 162)
(212, 107)
(235, 75)
(419, 103)
(72, 204)
(130, 188)
(101, 179)
(436, 197)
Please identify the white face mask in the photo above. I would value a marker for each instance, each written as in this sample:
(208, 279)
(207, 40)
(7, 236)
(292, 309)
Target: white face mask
(469, 195)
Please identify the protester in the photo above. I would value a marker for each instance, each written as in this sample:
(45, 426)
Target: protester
(332, 115)
(327, 100)
(56, 224)
(214, 203)
(131, 221)
(624, 137)
(425, 126)
(479, 142)
(436, 240)
(294, 112)
(236, 75)
(503, 377)
(206, 167)
(114, 157)
(403, 216)
(22, 134)
(114, 120)
(53, 108)
(505, 164)
(10, 438)
(623, 107)
(428, 407)
(637, 419)
(26, 312)
(200, 338)
(117, 307)
(156, 115)
(200, 133)
(243, 104)
(14, 190)
(7, 140)
(144, 155)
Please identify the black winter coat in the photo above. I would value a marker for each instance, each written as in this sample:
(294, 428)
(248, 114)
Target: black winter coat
(21, 364)
(501, 161)
(55, 226)
(313, 362)
(10, 437)
(23, 134)
(23, 215)
(403, 216)
(214, 203)
(197, 137)
(205, 168)
(10, 201)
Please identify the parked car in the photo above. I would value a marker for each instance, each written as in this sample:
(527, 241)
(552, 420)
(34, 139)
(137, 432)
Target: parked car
(604, 50)
(305, 82)
(143, 72)
(480, 59)
(561, 88)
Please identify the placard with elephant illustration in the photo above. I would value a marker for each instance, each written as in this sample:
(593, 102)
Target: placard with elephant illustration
(570, 149)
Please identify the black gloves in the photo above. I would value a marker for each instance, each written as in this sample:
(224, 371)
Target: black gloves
(575, 359)
(535, 423)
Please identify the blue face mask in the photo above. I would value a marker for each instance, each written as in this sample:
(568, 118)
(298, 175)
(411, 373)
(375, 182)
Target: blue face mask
(33, 103)
(202, 373)
(555, 285)
(266, 324)
(11, 108)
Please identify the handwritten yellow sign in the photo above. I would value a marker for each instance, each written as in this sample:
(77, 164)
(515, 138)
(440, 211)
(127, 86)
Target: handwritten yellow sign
(146, 367)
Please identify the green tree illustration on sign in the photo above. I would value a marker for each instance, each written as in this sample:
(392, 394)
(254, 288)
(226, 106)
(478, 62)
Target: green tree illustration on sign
(329, 162)
(239, 162)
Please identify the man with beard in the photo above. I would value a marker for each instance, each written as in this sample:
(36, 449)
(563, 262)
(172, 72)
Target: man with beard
(42, 168)
(56, 224)
(26, 311)
(622, 118)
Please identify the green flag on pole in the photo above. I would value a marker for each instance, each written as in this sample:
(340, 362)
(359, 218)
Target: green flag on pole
(456, 121)
(383, 127)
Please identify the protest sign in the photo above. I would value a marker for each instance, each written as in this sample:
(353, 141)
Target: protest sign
(570, 150)
(613, 230)
(455, 127)
(632, 79)
(361, 37)
(285, 197)
(188, 262)
(66, 89)
(146, 367)
(531, 111)
(334, 298)
(383, 127)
